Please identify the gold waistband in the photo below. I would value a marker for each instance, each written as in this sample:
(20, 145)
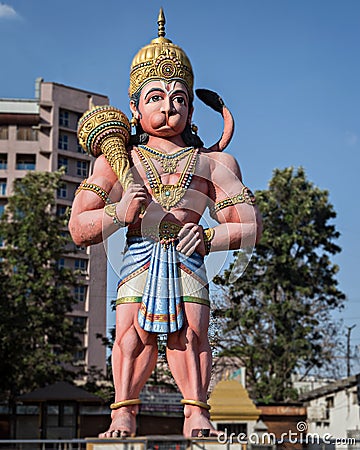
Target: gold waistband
(165, 233)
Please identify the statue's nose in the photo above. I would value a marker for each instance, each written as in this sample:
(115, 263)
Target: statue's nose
(167, 106)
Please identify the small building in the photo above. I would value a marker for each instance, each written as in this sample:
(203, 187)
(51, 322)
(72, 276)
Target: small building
(160, 412)
(285, 423)
(333, 410)
(60, 411)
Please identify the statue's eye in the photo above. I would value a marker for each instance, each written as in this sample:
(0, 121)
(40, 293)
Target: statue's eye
(180, 100)
(155, 98)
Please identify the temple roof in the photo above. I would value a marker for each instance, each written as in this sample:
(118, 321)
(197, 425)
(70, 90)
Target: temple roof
(60, 391)
(230, 401)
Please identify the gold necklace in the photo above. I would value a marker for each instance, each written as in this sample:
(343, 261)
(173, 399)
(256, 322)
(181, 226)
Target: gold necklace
(168, 195)
(168, 162)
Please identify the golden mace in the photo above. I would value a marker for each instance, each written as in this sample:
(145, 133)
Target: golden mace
(106, 130)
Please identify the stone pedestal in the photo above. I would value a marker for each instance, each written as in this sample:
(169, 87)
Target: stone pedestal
(161, 443)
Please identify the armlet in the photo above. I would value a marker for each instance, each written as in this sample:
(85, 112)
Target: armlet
(245, 196)
(99, 191)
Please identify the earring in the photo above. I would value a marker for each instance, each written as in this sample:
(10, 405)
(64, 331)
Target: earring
(134, 121)
(194, 128)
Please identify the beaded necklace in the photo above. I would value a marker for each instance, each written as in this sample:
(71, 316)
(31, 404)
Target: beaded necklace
(168, 195)
(168, 162)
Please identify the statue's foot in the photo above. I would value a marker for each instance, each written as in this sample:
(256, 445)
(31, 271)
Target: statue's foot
(197, 423)
(123, 423)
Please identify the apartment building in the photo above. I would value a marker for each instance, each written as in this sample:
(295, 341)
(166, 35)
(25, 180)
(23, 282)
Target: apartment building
(40, 134)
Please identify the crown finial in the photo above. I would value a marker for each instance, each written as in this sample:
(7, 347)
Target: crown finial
(161, 23)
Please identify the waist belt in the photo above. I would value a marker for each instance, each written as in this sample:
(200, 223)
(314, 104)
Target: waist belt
(166, 233)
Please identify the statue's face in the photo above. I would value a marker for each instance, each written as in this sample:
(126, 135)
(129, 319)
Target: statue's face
(163, 108)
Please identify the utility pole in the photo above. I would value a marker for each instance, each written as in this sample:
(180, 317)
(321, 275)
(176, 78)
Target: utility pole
(348, 351)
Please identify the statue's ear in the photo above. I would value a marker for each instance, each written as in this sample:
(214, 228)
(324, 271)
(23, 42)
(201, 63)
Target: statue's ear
(134, 109)
(191, 111)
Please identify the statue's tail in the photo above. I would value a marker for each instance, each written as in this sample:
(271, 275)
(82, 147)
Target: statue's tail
(212, 99)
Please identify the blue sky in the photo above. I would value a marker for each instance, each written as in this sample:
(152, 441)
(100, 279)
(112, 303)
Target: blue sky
(288, 70)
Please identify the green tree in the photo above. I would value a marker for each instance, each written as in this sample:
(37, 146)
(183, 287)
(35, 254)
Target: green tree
(278, 314)
(37, 337)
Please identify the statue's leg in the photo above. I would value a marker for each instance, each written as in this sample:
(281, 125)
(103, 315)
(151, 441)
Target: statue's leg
(134, 357)
(189, 358)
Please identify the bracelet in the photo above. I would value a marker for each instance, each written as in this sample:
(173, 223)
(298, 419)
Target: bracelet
(110, 210)
(208, 237)
(99, 191)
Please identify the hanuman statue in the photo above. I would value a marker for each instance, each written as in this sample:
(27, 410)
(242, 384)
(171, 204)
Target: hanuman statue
(158, 181)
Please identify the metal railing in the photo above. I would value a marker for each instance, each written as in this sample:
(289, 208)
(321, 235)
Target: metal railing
(41, 444)
(164, 443)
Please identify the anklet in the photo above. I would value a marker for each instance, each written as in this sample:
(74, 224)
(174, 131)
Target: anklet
(117, 405)
(196, 403)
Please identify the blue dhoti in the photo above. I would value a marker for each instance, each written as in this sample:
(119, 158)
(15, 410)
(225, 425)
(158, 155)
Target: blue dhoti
(161, 279)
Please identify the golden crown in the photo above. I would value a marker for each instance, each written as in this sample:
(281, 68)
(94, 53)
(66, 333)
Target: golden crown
(160, 60)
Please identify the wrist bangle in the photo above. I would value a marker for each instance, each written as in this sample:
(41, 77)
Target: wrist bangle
(208, 237)
(110, 210)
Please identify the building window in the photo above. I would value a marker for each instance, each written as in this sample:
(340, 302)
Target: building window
(64, 118)
(80, 321)
(60, 415)
(63, 162)
(26, 133)
(81, 264)
(80, 293)
(63, 141)
(61, 210)
(62, 191)
(61, 263)
(2, 186)
(82, 168)
(25, 162)
(4, 132)
(355, 397)
(2, 209)
(3, 161)
(80, 355)
(30, 410)
(329, 405)
(330, 401)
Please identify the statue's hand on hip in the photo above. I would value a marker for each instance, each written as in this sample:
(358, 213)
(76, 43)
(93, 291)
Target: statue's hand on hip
(191, 239)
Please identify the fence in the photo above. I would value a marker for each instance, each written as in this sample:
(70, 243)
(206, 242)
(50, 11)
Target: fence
(166, 443)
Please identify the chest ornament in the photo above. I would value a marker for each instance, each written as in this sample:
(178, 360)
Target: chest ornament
(168, 195)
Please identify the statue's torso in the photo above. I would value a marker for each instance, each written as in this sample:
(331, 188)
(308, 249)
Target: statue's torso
(194, 202)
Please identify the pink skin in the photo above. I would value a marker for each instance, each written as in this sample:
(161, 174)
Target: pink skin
(163, 112)
(189, 358)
